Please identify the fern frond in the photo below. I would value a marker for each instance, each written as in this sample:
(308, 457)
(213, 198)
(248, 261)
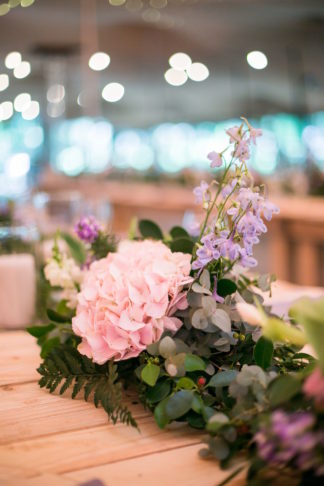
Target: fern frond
(65, 366)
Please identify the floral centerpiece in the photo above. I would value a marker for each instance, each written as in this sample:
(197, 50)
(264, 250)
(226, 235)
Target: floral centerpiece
(179, 318)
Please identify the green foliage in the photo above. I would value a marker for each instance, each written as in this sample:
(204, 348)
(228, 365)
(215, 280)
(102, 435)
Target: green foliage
(194, 363)
(283, 389)
(223, 378)
(263, 352)
(309, 313)
(178, 232)
(226, 287)
(57, 317)
(184, 245)
(64, 367)
(103, 245)
(150, 374)
(179, 404)
(39, 331)
(149, 229)
(76, 248)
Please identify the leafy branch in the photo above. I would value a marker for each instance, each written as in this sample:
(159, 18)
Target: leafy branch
(64, 367)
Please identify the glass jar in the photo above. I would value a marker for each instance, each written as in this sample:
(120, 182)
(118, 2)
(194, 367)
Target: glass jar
(18, 275)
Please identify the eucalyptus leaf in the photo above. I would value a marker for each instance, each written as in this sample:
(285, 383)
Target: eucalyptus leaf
(167, 347)
(204, 279)
(179, 404)
(222, 378)
(222, 320)
(57, 317)
(199, 289)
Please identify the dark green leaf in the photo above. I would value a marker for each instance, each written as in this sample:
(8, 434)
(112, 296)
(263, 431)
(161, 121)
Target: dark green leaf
(160, 415)
(195, 420)
(158, 392)
(194, 363)
(178, 232)
(184, 245)
(263, 352)
(226, 287)
(283, 389)
(76, 248)
(223, 378)
(38, 331)
(179, 404)
(49, 345)
(56, 317)
(149, 229)
(150, 374)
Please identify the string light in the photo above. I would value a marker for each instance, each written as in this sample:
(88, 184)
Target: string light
(4, 81)
(113, 92)
(257, 60)
(12, 60)
(22, 70)
(99, 61)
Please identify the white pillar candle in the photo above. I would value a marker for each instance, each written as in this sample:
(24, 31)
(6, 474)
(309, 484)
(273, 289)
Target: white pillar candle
(17, 290)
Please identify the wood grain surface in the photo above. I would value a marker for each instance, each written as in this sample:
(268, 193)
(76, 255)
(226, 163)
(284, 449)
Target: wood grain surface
(48, 440)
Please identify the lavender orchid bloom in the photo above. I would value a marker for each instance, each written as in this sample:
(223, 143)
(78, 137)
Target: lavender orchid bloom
(201, 193)
(290, 438)
(87, 229)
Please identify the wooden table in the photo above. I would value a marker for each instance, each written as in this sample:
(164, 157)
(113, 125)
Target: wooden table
(48, 440)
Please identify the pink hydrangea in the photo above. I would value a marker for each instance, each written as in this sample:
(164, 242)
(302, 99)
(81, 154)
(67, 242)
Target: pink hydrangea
(128, 299)
(314, 388)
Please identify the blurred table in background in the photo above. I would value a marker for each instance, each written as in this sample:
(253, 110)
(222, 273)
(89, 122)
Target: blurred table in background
(293, 248)
(55, 441)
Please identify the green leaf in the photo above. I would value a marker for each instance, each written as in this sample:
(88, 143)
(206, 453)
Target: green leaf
(216, 422)
(179, 404)
(149, 229)
(38, 331)
(184, 245)
(178, 232)
(226, 287)
(282, 389)
(49, 345)
(150, 374)
(194, 363)
(223, 378)
(186, 383)
(196, 420)
(160, 415)
(310, 314)
(77, 249)
(56, 317)
(263, 352)
(158, 392)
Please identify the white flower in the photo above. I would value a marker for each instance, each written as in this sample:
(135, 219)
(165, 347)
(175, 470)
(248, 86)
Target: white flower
(64, 274)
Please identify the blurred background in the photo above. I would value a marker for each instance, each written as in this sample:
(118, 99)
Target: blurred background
(111, 106)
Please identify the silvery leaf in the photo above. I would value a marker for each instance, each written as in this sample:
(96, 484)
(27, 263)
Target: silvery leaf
(199, 320)
(221, 319)
(204, 279)
(153, 349)
(199, 289)
(175, 365)
(208, 304)
(181, 346)
(194, 300)
(167, 347)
